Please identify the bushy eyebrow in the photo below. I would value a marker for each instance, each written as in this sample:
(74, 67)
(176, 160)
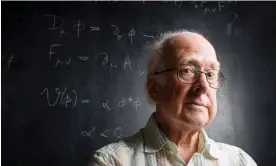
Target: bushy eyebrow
(215, 65)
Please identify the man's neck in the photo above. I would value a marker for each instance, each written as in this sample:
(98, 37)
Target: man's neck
(183, 137)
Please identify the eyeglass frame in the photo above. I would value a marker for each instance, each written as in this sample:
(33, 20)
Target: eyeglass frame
(196, 71)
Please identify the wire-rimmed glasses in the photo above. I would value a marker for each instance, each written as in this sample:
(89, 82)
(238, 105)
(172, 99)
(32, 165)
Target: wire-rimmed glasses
(188, 74)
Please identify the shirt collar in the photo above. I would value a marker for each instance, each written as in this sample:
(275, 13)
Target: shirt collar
(209, 145)
(155, 140)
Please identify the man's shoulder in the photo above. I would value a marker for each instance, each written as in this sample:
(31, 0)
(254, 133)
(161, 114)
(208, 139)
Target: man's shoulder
(229, 148)
(120, 152)
(125, 145)
(235, 153)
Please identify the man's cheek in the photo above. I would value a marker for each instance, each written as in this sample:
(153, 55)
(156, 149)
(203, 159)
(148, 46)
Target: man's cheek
(212, 98)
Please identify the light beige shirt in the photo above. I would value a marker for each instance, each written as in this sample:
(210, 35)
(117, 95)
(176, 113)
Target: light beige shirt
(150, 147)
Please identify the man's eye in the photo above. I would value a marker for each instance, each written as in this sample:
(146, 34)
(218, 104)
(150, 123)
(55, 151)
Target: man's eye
(211, 75)
(186, 71)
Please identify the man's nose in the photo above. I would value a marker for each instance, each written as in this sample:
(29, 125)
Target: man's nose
(201, 84)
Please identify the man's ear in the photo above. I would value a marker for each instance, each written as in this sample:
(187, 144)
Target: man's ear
(153, 88)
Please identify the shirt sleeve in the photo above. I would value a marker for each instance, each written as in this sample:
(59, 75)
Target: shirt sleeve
(101, 159)
(245, 159)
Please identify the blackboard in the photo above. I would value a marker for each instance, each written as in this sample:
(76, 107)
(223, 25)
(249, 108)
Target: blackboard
(73, 74)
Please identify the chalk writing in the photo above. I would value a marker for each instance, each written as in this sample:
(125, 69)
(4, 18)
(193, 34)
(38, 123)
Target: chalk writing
(48, 98)
(78, 27)
(130, 99)
(103, 133)
(10, 60)
(121, 103)
(94, 28)
(59, 61)
(141, 72)
(105, 60)
(76, 98)
(7, 60)
(117, 132)
(195, 5)
(136, 103)
(127, 63)
(62, 32)
(87, 133)
(202, 5)
(116, 32)
(178, 4)
(84, 101)
(58, 22)
(84, 58)
(55, 19)
(63, 62)
(65, 100)
(63, 97)
(207, 10)
(147, 36)
(220, 5)
(51, 49)
(112, 66)
(131, 33)
(105, 105)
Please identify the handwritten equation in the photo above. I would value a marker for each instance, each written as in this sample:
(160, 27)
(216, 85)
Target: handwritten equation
(64, 97)
(122, 103)
(195, 3)
(69, 99)
(218, 7)
(117, 132)
(53, 54)
(80, 27)
(58, 61)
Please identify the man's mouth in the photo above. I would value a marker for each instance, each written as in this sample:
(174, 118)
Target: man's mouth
(197, 104)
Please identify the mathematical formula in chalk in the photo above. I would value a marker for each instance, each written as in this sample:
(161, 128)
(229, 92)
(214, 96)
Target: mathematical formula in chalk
(121, 103)
(117, 132)
(81, 27)
(69, 99)
(55, 50)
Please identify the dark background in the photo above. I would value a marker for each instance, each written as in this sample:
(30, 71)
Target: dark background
(44, 120)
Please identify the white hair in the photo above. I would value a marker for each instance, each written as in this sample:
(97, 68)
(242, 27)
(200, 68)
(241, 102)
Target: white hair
(155, 62)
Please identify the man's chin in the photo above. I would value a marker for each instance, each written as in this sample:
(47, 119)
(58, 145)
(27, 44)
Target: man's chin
(192, 118)
(190, 122)
(195, 119)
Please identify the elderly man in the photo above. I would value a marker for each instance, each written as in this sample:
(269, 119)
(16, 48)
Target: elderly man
(184, 75)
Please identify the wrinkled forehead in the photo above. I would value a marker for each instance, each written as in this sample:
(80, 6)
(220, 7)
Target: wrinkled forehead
(189, 49)
(202, 60)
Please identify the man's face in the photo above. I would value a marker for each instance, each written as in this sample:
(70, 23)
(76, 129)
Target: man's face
(193, 105)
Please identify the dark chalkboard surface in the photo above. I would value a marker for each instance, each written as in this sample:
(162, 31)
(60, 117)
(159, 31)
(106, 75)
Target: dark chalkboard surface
(73, 74)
